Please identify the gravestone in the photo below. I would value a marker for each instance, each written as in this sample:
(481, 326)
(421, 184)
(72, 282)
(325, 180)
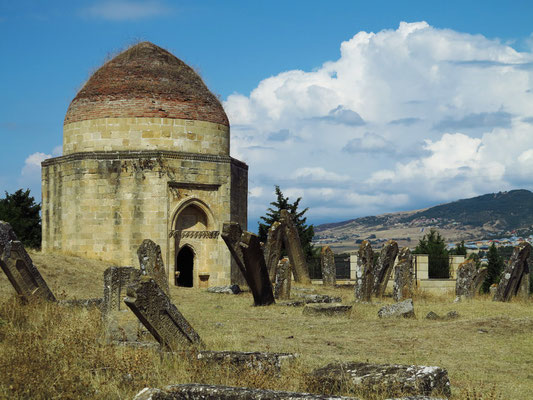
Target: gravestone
(293, 245)
(197, 391)
(384, 378)
(327, 262)
(523, 290)
(282, 285)
(364, 272)
(229, 289)
(157, 313)
(151, 263)
(121, 324)
(329, 309)
(403, 309)
(384, 267)
(403, 276)
(269, 363)
(19, 268)
(469, 279)
(246, 250)
(513, 274)
(272, 249)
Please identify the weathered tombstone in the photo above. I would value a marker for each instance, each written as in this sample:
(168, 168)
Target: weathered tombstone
(151, 263)
(514, 273)
(384, 267)
(282, 285)
(197, 391)
(403, 276)
(327, 262)
(293, 245)
(246, 250)
(19, 268)
(230, 289)
(157, 313)
(385, 378)
(403, 309)
(469, 279)
(329, 309)
(242, 360)
(120, 324)
(364, 272)
(272, 249)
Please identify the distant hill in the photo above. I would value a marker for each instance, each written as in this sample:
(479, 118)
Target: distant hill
(487, 215)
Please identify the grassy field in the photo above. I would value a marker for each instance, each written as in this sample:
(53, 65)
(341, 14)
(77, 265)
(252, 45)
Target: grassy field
(49, 351)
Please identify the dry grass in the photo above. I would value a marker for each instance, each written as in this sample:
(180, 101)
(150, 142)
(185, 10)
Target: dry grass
(48, 351)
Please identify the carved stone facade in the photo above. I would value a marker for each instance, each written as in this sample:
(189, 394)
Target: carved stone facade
(131, 171)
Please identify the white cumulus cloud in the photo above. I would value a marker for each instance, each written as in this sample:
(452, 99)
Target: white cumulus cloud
(402, 117)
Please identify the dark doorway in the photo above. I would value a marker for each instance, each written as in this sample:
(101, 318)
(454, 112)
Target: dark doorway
(184, 267)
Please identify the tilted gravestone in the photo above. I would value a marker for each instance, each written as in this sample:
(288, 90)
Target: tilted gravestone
(469, 279)
(157, 313)
(272, 249)
(293, 245)
(246, 250)
(282, 285)
(327, 262)
(384, 267)
(523, 290)
(151, 263)
(403, 276)
(364, 281)
(120, 324)
(19, 268)
(515, 271)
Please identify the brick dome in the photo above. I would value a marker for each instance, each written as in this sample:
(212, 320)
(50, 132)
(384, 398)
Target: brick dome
(146, 81)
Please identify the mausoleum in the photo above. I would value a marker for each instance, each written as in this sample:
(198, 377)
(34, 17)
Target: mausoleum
(146, 155)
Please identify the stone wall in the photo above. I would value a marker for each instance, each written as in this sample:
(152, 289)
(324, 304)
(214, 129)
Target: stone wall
(102, 205)
(118, 134)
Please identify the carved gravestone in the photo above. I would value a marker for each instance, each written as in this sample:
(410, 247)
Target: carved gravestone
(272, 249)
(523, 290)
(293, 245)
(120, 324)
(469, 279)
(384, 267)
(402, 309)
(246, 250)
(157, 313)
(151, 263)
(364, 273)
(412, 380)
(327, 262)
(19, 268)
(403, 276)
(282, 286)
(515, 271)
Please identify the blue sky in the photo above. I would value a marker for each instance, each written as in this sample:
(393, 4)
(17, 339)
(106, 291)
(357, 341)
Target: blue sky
(427, 102)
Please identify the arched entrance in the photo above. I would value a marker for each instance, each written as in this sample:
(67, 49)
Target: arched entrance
(184, 267)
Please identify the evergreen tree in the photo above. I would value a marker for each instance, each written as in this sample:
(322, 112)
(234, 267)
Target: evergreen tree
(495, 267)
(306, 232)
(433, 245)
(21, 211)
(460, 249)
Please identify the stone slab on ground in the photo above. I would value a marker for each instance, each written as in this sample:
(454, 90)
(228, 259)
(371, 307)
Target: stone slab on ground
(19, 268)
(380, 378)
(194, 391)
(160, 316)
(330, 309)
(262, 361)
(401, 309)
(230, 289)
(450, 315)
